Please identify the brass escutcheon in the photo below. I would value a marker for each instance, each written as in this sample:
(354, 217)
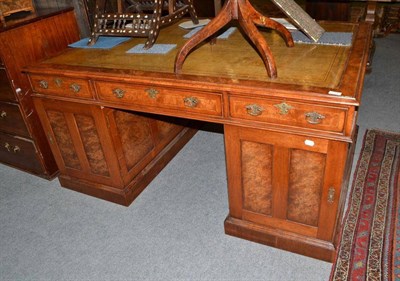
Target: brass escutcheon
(3, 114)
(190, 101)
(119, 93)
(58, 82)
(314, 117)
(152, 93)
(75, 87)
(43, 84)
(283, 108)
(331, 195)
(254, 109)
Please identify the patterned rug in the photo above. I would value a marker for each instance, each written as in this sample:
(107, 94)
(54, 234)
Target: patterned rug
(369, 247)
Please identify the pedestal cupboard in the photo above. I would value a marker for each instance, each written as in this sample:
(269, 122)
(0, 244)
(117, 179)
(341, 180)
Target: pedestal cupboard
(111, 154)
(25, 39)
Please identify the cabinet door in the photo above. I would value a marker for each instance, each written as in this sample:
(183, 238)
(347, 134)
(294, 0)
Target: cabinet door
(285, 181)
(80, 141)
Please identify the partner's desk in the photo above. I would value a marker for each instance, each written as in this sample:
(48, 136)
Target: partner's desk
(112, 122)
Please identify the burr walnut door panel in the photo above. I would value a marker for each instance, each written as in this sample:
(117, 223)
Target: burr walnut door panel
(138, 138)
(285, 181)
(80, 141)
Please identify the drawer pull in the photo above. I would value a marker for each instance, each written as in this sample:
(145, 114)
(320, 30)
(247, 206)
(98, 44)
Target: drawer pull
(283, 108)
(314, 117)
(119, 93)
(191, 101)
(152, 93)
(43, 84)
(3, 114)
(75, 88)
(331, 195)
(254, 109)
(9, 148)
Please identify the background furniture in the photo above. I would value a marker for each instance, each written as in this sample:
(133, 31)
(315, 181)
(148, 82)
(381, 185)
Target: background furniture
(139, 18)
(383, 15)
(204, 8)
(8, 7)
(328, 9)
(288, 140)
(23, 143)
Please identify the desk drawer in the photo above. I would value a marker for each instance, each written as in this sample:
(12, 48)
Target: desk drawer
(61, 86)
(11, 120)
(19, 152)
(288, 113)
(166, 98)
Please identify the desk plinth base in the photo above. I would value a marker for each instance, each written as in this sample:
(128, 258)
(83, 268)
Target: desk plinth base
(280, 239)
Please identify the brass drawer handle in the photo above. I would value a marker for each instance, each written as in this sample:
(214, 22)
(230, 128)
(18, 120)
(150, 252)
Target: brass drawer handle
(152, 93)
(75, 87)
(331, 195)
(191, 102)
(314, 117)
(119, 93)
(43, 84)
(11, 149)
(283, 108)
(254, 109)
(3, 114)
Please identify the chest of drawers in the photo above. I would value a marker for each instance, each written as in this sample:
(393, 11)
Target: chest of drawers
(23, 143)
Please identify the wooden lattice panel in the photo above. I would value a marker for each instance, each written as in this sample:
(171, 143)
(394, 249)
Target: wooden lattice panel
(141, 19)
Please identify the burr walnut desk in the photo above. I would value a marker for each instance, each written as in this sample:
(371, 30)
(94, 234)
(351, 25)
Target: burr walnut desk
(110, 118)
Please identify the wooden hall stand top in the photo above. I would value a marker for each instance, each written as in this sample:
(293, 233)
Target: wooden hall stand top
(288, 140)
